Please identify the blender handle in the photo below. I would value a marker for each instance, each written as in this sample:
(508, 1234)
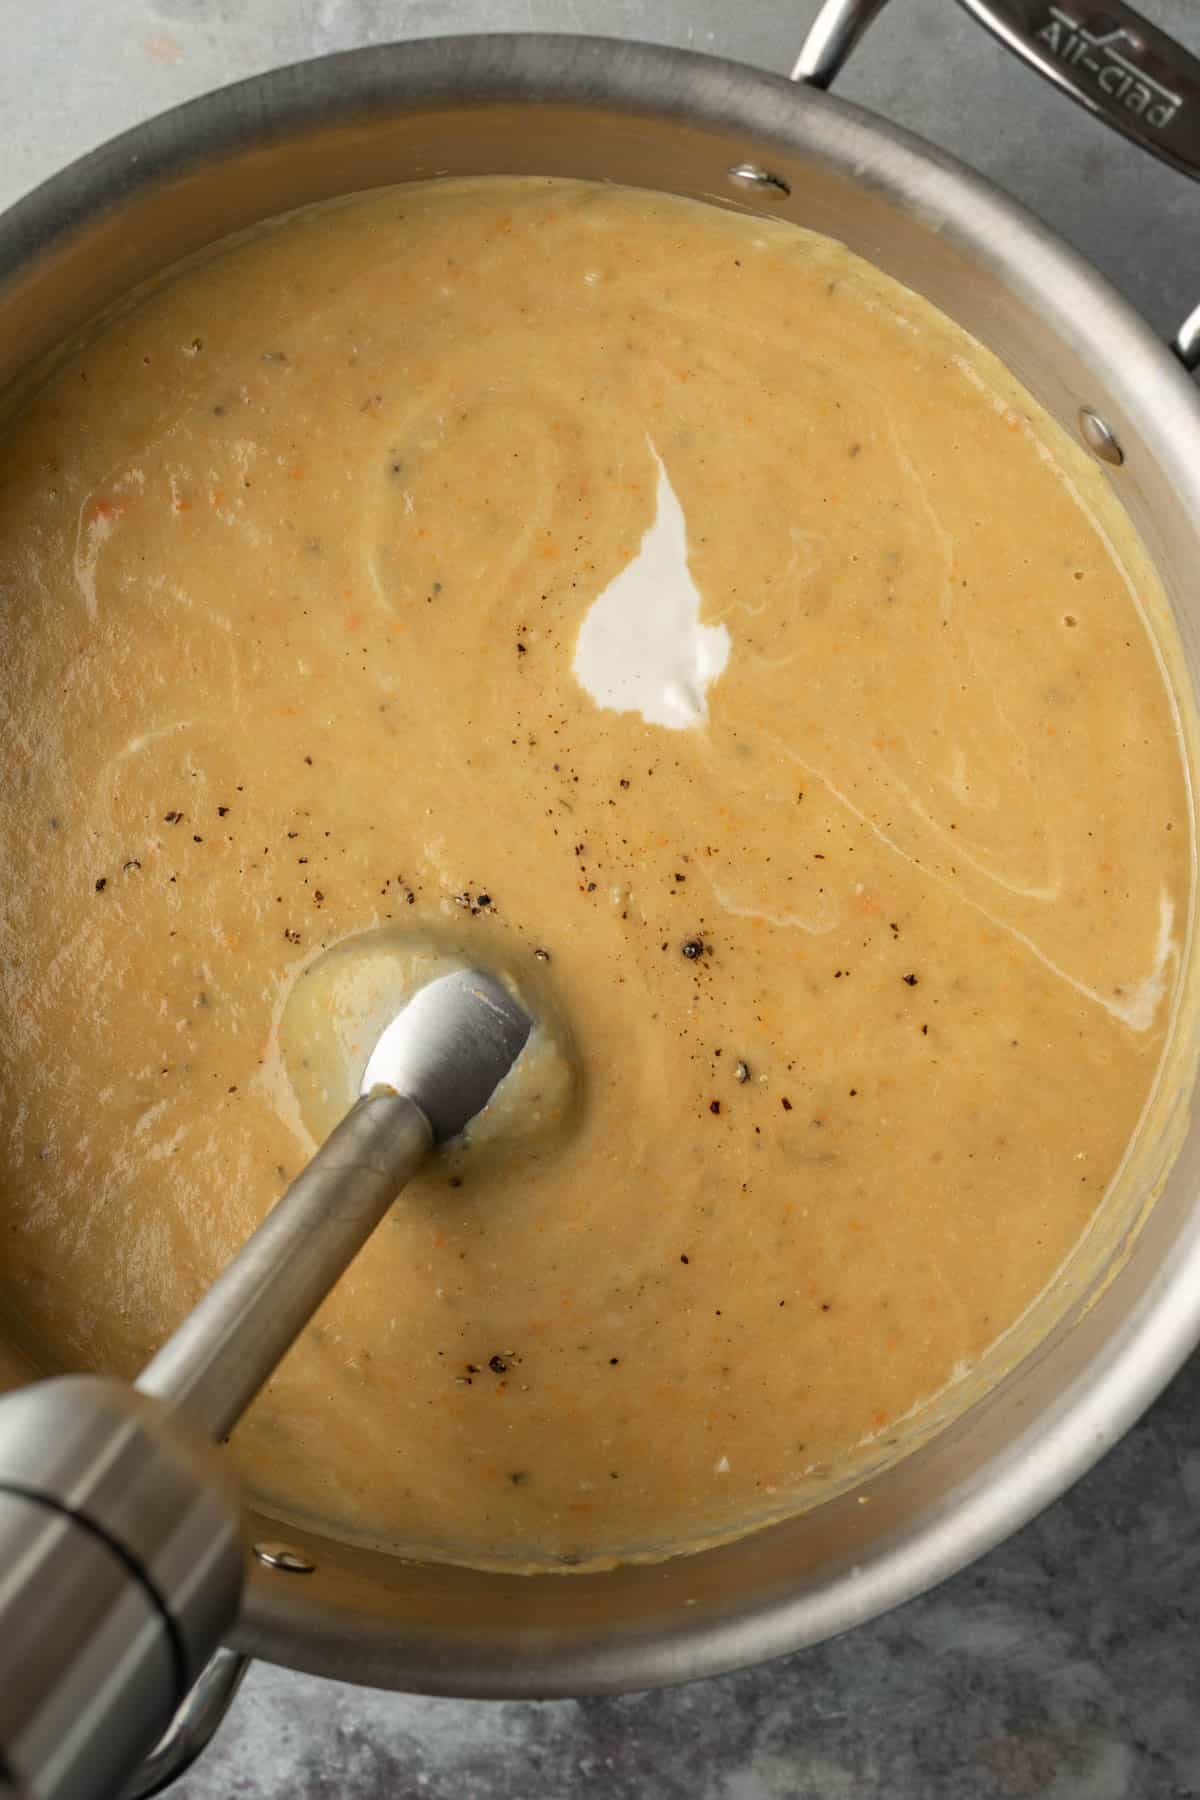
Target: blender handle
(1104, 55)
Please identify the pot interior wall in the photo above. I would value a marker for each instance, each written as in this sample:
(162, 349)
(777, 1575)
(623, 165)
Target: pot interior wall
(664, 120)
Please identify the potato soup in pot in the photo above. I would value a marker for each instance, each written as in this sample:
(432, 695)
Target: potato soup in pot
(668, 608)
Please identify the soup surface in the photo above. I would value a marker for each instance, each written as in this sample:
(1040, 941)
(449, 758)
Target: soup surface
(669, 608)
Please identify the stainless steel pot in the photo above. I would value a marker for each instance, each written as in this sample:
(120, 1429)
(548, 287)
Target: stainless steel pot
(609, 111)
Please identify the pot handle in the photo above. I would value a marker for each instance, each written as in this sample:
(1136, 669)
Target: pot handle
(1102, 53)
(193, 1726)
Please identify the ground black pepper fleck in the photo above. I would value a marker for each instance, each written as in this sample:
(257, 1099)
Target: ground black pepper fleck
(714, 1106)
(693, 948)
(172, 818)
(684, 1259)
(101, 883)
(497, 1365)
(909, 980)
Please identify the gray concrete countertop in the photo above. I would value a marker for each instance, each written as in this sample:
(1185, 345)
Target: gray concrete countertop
(1064, 1665)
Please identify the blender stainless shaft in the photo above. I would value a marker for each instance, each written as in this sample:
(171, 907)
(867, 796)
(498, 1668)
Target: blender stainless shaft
(212, 1367)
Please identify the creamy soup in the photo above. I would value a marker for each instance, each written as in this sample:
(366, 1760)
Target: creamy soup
(669, 609)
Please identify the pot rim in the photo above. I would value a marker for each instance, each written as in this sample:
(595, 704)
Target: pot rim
(1080, 308)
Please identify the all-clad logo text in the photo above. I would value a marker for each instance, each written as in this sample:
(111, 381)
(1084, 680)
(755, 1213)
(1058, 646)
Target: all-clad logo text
(1104, 56)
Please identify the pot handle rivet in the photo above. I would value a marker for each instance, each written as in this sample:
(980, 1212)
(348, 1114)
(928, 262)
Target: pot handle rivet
(751, 175)
(284, 1557)
(1099, 437)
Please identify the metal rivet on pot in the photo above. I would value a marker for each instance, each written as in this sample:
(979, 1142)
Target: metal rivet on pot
(284, 1557)
(1099, 438)
(752, 175)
